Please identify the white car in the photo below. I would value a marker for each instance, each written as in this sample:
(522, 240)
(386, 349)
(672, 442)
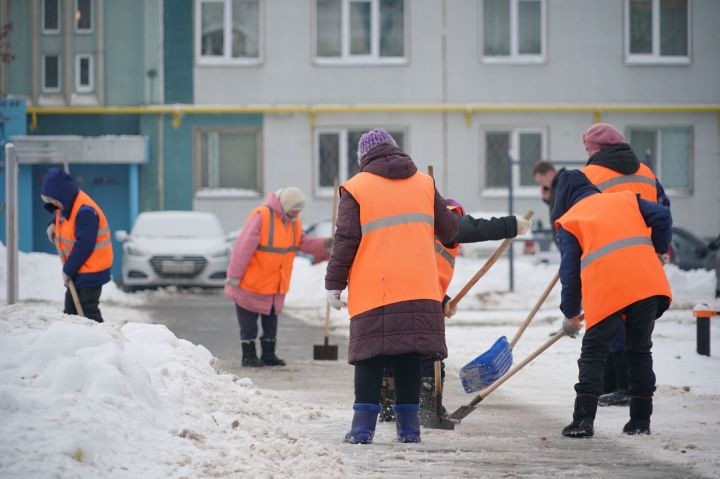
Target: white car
(182, 248)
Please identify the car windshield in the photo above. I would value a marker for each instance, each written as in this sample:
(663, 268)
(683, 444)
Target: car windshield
(177, 225)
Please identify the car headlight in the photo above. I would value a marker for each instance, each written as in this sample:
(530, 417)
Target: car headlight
(220, 252)
(135, 251)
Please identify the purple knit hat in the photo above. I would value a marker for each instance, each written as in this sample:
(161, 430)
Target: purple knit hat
(373, 138)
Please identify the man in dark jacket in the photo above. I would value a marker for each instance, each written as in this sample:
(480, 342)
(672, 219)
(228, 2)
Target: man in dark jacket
(608, 268)
(81, 233)
(399, 331)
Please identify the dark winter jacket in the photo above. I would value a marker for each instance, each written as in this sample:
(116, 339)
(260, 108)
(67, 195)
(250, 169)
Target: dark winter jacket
(622, 159)
(406, 327)
(573, 186)
(60, 186)
(473, 230)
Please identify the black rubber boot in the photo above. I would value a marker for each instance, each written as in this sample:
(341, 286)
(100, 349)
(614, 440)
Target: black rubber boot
(640, 412)
(583, 417)
(268, 353)
(387, 400)
(249, 355)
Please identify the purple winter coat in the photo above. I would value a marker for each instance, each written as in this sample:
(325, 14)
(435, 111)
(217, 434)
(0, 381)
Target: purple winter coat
(416, 326)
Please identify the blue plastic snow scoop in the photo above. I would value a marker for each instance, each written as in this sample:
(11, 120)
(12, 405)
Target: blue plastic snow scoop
(491, 365)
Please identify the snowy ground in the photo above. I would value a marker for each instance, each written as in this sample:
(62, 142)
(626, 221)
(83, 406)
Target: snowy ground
(129, 399)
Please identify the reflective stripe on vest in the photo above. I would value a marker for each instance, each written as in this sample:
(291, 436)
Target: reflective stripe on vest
(395, 220)
(270, 266)
(642, 182)
(102, 256)
(614, 246)
(618, 266)
(395, 260)
(444, 254)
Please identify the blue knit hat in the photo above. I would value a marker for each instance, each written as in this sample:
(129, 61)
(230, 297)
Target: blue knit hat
(373, 138)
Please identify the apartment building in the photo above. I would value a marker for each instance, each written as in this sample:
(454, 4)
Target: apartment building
(240, 97)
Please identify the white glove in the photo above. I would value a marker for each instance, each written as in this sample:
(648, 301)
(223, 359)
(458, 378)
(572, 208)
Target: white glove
(449, 310)
(664, 258)
(234, 282)
(51, 232)
(333, 299)
(571, 326)
(66, 278)
(523, 225)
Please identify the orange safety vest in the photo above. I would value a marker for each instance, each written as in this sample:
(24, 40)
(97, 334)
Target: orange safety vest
(446, 260)
(642, 182)
(619, 265)
(395, 261)
(102, 256)
(271, 265)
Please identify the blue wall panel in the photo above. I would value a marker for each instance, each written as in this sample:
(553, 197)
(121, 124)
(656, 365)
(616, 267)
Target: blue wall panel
(178, 54)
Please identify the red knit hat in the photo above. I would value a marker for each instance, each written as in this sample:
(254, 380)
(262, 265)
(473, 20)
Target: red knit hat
(601, 135)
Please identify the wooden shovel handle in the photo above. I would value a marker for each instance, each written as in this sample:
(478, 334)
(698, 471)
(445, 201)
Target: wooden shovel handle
(485, 267)
(535, 309)
(332, 232)
(70, 283)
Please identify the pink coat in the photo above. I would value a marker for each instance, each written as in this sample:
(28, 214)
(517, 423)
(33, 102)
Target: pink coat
(247, 242)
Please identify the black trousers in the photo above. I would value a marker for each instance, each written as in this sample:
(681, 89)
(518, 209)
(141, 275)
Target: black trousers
(89, 302)
(407, 372)
(249, 326)
(639, 326)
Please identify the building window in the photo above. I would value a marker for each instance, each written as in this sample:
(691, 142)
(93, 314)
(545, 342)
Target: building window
(228, 158)
(525, 146)
(228, 31)
(360, 31)
(513, 30)
(51, 17)
(84, 74)
(657, 31)
(51, 73)
(84, 16)
(336, 155)
(668, 152)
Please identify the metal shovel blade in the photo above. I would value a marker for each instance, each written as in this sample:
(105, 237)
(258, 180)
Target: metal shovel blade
(440, 423)
(325, 352)
(462, 412)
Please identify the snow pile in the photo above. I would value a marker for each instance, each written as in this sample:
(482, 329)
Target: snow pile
(40, 278)
(81, 399)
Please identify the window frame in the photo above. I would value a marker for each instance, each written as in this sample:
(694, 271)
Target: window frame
(657, 129)
(515, 131)
(343, 152)
(374, 58)
(91, 73)
(43, 79)
(198, 131)
(84, 31)
(227, 58)
(514, 58)
(58, 30)
(655, 58)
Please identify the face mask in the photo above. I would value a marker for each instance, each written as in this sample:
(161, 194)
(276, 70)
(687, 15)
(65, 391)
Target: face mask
(50, 207)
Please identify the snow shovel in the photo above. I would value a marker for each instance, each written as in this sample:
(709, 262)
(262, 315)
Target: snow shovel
(463, 411)
(70, 283)
(487, 368)
(327, 351)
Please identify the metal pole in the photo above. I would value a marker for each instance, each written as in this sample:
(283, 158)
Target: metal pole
(511, 268)
(11, 223)
(703, 336)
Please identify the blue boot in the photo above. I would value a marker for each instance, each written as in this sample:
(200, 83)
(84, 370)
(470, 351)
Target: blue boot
(363, 424)
(408, 422)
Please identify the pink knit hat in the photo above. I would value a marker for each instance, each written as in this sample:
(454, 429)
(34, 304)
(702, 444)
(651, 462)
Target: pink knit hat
(601, 135)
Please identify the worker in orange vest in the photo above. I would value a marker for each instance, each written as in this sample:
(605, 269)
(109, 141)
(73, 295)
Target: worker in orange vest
(82, 234)
(612, 166)
(260, 269)
(470, 230)
(609, 244)
(384, 253)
